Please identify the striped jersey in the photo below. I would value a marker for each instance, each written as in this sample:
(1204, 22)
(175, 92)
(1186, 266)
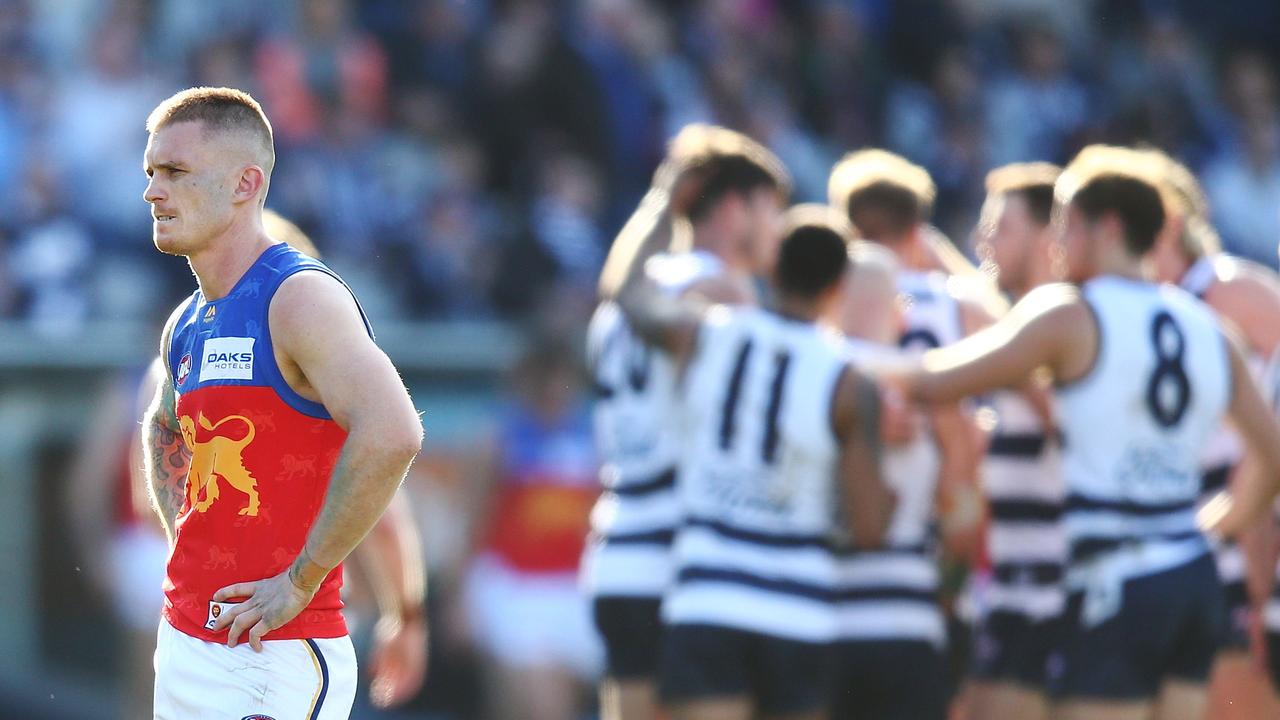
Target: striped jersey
(1135, 425)
(261, 455)
(1224, 450)
(1026, 545)
(638, 441)
(932, 314)
(758, 478)
(892, 593)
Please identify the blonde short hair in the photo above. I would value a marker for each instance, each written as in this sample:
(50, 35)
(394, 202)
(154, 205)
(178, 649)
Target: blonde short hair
(220, 109)
(883, 194)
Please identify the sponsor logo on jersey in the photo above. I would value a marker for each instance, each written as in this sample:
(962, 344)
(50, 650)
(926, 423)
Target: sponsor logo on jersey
(208, 314)
(184, 368)
(257, 717)
(227, 358)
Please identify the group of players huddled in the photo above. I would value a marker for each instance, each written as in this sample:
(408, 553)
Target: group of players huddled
(810, 418)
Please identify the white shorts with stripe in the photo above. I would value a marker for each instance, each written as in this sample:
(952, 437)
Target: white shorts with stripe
(288, 680)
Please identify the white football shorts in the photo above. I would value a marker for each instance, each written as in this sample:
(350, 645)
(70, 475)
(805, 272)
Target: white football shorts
(288, 680)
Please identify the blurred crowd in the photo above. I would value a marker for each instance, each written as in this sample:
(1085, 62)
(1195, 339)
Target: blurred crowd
(471, 159)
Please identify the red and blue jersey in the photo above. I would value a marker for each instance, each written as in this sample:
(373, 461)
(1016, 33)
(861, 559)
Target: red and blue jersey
(261, 455)
(541, 514)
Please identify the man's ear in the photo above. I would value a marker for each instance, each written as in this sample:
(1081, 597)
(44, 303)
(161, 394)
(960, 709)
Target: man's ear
(249, 187)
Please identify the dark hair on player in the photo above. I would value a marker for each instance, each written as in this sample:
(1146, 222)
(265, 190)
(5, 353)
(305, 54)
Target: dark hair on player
(1134, 201)
(741, 172)
(884, 194)
(1033, 182)
(814, 253)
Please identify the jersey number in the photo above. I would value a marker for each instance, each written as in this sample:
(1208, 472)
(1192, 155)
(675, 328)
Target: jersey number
(729, 414)
(1168, 389)
(919, 338)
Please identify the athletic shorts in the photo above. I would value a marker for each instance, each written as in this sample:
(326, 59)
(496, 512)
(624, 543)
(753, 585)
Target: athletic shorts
(888, 680)
(783, 677)
(631, 628)
(288, 680)
(1273, 658)
(1010, 647)
(1169, 626)
(1235, 605)
(138, 556)
(528, 619)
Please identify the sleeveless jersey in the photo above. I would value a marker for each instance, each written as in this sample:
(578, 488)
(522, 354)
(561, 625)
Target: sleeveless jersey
(1135, 425)
(757, 478)
(1224, 450)
(891, 594)
(638, 441)
(1026, 546)
(261, 455)
(933, 315)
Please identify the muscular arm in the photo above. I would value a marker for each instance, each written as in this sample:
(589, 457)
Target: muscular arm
(314, 321)
(866, 501)
(165, 456)
(1052, 327)
(661, 320)
(315, 326)
(1256, 484)
(649, 225)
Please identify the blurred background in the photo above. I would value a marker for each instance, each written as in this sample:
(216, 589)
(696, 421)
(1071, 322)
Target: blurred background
(464, 165)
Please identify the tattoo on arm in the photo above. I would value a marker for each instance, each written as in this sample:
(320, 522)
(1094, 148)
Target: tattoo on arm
(167, 458)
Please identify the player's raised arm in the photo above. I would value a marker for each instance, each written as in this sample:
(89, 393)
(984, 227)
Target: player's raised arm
(165, 456)
(1051, 327)
(316, 325)
(866, 500)
(1259, 480)
(659, 319)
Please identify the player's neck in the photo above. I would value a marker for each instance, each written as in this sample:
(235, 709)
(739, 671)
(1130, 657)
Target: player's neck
(1129, 269)
(227, 258)
(798, 309)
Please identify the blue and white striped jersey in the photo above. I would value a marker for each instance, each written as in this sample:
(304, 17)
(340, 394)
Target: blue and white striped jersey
(758, 478)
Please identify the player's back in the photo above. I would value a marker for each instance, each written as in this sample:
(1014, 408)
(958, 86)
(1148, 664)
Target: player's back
(932, 317)
(757, 477)
(1134, 426)
(1142, 585)
(638, 441)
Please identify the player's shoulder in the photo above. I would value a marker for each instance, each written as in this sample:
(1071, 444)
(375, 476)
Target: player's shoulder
(1052, 297)
(1242, 288)
(310, 298)
(310, 286)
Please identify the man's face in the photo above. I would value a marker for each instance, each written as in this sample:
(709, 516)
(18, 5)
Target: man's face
(1079, 240)
(764, 230)
(190, 188)
(1011, 235)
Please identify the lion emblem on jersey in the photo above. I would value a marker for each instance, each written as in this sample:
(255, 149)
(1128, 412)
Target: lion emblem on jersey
(218, 459)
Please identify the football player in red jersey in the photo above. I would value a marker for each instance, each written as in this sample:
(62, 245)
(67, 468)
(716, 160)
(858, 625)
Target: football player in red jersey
(278, 441)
